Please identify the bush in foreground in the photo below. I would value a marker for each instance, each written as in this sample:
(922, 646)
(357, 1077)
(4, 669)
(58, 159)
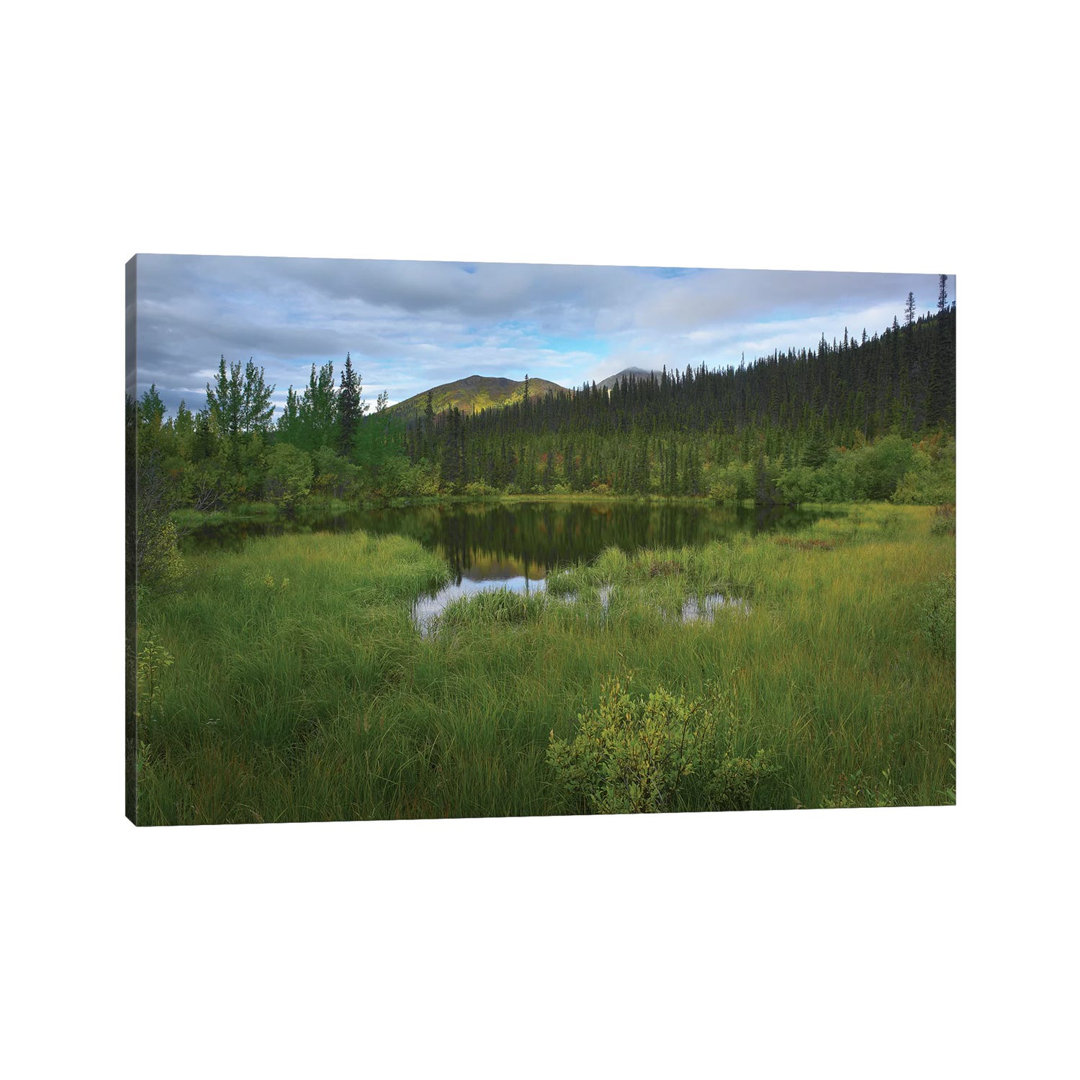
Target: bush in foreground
(661, 752)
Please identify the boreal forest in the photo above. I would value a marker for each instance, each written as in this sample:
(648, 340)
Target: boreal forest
(871, 416)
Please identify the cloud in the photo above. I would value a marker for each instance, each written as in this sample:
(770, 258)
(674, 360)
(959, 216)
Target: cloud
(410, 325)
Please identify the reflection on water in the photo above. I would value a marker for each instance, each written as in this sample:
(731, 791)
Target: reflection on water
(692, 611)
(504, 541)
(514, 546)
(428, 608)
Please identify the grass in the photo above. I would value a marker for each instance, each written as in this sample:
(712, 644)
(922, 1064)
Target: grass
(188, 518)
(315, 507)
(300, 689)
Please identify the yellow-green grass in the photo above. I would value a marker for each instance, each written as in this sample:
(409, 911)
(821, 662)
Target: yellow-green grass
(301, 690)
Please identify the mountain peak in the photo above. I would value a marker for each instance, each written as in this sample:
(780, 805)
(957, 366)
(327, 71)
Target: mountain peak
(473, 393)
(631, 373)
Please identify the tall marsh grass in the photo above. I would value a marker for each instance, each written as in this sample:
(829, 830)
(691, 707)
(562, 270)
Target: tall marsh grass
(301, 690)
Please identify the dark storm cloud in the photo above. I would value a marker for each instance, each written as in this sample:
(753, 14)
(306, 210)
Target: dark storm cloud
(409, 325)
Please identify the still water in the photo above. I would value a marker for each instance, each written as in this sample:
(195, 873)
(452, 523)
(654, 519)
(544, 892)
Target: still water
(502, 541)
(515, 546)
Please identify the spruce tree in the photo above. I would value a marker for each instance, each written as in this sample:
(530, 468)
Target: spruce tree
(429, 424)
(816, 452)
(350, 407)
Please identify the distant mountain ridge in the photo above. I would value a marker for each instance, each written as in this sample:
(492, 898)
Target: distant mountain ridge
(473, 393)
(631, 373)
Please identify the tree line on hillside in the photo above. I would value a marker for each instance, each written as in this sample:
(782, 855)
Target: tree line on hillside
(872, 417)
(899, 382)
(763, 431)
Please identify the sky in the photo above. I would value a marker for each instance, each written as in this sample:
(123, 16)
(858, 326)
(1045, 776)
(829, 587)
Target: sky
(412, 325)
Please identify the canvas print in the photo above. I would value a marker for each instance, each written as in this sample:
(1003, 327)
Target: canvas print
(439, 540)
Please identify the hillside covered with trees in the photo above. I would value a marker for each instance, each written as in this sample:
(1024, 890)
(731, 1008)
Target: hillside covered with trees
(472, 394)
(868, 417)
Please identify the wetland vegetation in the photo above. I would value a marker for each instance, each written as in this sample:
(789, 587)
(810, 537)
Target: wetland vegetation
(299, 688)
(707, 591)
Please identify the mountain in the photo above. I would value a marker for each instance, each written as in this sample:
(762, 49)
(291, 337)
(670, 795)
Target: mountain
(630, 373)
(473, 394)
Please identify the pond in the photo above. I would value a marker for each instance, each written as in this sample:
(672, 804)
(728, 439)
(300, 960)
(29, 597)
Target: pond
(515, 545)
(487, 541)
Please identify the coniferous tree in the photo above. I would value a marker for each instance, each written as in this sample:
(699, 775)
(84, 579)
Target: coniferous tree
(763, 483)
(429, 424)
(288, 424)
(204, 444)
(816, 451)
(350, 406)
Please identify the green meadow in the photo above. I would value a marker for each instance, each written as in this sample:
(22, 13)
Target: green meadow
(287, 681)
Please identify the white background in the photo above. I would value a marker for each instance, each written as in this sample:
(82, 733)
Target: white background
(923, 942)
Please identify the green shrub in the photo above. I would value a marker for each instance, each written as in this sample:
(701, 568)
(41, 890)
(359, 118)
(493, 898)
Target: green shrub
(859, 790)
(149, 672)
(661, 752)
(289, 476)
(333, 475)
(735, 779)
(797, 485)
(932, 477)
(884, 465)
(723, 490)
(159, 564)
